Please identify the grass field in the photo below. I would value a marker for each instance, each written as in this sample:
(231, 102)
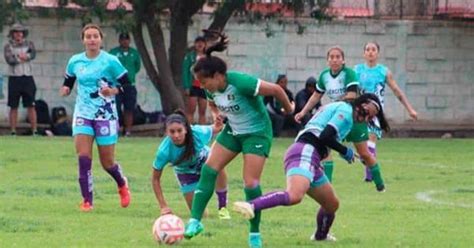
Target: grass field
(429, 200)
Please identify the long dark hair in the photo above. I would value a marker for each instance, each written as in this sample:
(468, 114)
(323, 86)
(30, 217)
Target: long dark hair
(209, 65)
(368, 98)
(178, 116)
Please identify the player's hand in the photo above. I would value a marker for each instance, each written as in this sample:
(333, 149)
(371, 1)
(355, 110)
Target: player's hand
(64, 91)
(165, 211)
(349, 156)
(107, 91)
(413, 114)
(298, 117)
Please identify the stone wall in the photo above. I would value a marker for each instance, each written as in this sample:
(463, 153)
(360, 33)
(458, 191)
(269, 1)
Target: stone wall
(432, 61)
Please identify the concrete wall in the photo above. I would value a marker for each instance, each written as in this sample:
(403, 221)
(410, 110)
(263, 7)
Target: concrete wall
(433, 62)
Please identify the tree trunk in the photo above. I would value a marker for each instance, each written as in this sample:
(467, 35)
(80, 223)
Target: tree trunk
(171, 98)
(181, 13)
(223, 14)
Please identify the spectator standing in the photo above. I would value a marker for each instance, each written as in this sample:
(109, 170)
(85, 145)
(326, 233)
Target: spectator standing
(130, 59)
(19, 53)
(302, 98)
(279, 119)
(196, 96)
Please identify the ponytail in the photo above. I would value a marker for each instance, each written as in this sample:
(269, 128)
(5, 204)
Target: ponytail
(206, 67)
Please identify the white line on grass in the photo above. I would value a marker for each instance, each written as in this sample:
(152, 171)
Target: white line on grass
(428, 197)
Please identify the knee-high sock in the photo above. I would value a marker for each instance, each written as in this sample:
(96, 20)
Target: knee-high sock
(203, 192)
(270, 200)
(250, 194)
(376, 175)
(85, 178)
(221, 198)
(116, 172)
(328, 168)
(324, 221)
(373, 151)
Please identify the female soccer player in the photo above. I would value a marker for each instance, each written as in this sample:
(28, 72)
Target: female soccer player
(338, 82)
(95, 115)
(304, 175)
(248, 131)
(373, 77)
(185, 147)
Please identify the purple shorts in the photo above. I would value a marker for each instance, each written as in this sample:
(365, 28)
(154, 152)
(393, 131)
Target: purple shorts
(303, 159)
(104, 131)
(188, 182)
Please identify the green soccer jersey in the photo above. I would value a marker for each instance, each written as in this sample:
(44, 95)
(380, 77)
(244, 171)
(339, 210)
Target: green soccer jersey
(130, 60)
(241, 103)
(335, 86)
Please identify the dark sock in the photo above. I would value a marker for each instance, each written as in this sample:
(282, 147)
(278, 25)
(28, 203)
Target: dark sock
(116, 172)
(272, 199)
(221, 198)
(250, 194)
(85, 178)
(328, 168)
(324, 221)
(203, 192)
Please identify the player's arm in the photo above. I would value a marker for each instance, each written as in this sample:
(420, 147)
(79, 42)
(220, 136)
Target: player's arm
(270, 89)
(329, 138)
(68, 85)
(365, 156)
(312, 101)
(400, 95)
(111, 91)
(156, 183)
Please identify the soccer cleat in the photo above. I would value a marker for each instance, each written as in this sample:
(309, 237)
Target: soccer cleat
(380, 188)
(255, 240)
(224, 214)
(124, 193)
(367, 180)
(245, 209)
(193, 228)
(329, 238)
(85, 206)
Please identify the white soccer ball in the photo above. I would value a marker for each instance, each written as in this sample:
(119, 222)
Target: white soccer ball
(168, 229)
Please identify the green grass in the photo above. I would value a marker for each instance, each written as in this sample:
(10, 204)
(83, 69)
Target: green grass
(39, 197)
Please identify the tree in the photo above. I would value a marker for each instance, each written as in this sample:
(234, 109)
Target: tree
(163, 66)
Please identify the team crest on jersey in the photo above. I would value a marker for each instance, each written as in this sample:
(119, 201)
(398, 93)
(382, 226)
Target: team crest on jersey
(230, 97)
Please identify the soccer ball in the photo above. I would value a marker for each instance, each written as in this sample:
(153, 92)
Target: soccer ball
(168, 229)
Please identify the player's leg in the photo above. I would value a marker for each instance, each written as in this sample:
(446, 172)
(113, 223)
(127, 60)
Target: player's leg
(202, 106)
(83, 144)
(106, 138)
(371, 164)
(191, 108)
(328, 166)
(221, 192)
(218, 158)
(323, 192)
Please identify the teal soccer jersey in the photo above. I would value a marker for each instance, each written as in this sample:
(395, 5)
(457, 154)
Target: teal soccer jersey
(335, 86)
(242, 105)
(337, 114)
(168, 152)
(372, 79)
(91, 75)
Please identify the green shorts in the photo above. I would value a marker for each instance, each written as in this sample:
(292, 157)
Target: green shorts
(359, 133)
(258, 143)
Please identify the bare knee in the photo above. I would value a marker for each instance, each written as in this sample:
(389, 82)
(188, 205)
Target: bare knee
(296, 196)
(107, 162)
(332, 206)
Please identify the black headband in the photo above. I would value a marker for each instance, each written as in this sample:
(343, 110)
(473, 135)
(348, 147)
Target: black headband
(175, 118)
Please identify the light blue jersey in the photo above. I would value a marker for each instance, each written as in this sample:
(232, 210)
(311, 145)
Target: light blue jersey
(372, 79)
(336, 114)
(168, 152)
(91, 75)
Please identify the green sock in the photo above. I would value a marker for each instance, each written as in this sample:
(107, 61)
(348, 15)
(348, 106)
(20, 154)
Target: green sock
(376, 175)
(251, 194)
(328, 168)
(204, 191)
